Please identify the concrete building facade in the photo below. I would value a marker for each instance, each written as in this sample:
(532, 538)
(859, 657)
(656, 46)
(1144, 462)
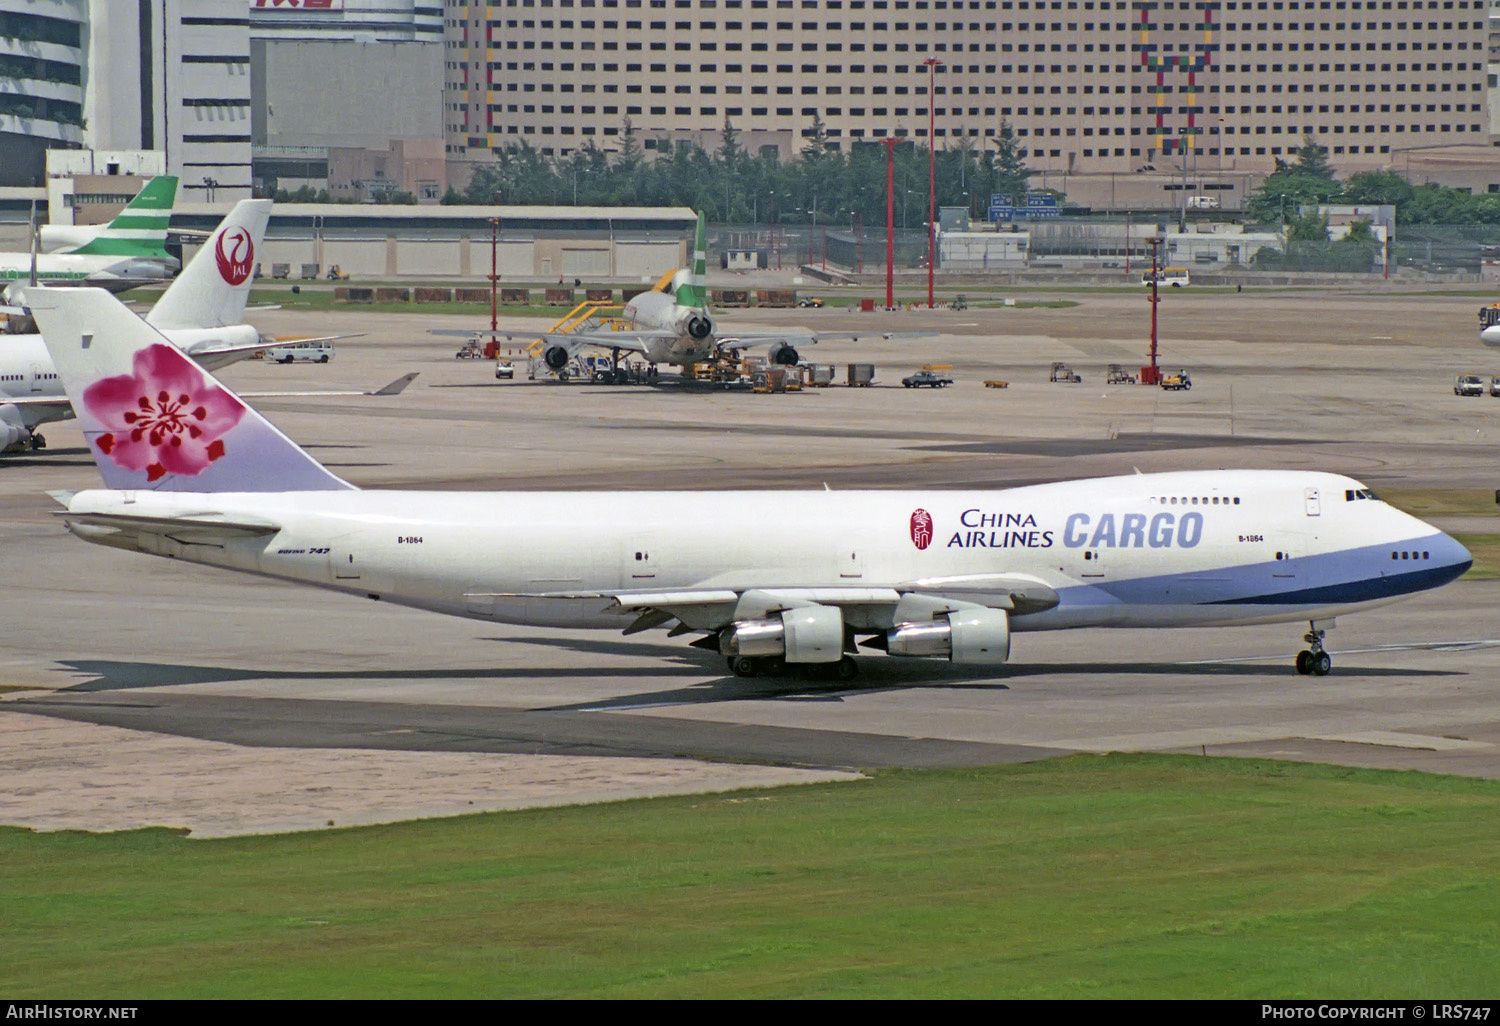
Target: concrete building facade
(129, 75)
(1090, 86)
(345, 75)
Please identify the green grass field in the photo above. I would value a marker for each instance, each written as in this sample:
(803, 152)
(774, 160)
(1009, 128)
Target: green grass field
(1464, 502)
(1119, 876)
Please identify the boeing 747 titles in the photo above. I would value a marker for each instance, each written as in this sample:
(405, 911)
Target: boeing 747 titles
(192, 473)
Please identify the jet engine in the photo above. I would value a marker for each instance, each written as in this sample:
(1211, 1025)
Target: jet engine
(556, 357)
(784, 353)
(696, 325)
(13, 433)
(805, 634)
(974, 636)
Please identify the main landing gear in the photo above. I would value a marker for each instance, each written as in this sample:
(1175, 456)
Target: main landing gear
(1314, 660)
(845, 669)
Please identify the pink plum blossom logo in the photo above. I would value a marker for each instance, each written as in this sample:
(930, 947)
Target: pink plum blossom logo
(234, 253)
(921, 528)
(165, 418)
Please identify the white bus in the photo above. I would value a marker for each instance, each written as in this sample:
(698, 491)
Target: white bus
(301, 352)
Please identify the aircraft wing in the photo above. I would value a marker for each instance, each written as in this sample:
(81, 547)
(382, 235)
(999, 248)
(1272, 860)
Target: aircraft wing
(626, 341)
(41, 402)
(713, 608)
(810, 338)
(394, 388)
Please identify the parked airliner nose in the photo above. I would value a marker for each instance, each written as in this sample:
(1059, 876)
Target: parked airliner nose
(1490, 336)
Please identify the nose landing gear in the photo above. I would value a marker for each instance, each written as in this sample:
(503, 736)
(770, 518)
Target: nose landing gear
(1314, 660)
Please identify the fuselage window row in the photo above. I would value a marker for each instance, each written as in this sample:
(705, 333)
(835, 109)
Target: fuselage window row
(1185, 500)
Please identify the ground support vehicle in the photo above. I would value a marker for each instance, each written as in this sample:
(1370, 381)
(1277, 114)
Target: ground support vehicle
(1061, 372)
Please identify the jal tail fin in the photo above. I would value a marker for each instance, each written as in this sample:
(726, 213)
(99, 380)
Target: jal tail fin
(152, 417)
(694, 292)
(140, 230)
(212, 290)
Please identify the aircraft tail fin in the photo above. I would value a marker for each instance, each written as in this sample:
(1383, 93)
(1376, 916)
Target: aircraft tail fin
(140, 230)
(154, 419)
(212, 290)
(695, 292)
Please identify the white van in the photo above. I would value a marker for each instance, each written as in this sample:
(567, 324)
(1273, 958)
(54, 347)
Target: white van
(301, 352)
(1176, 277)
(1203, 202)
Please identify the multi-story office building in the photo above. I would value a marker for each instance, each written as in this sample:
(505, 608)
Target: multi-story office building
(127, 75)
(1087, 85)
(42, 60)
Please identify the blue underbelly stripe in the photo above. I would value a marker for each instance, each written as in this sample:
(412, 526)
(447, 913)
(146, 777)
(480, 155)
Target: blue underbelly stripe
(1367, 590)
(1348, 576)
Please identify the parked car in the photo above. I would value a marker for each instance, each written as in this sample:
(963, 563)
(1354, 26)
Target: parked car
(925, 377)
(1468, 384)
(505, 369)
(1494, 386)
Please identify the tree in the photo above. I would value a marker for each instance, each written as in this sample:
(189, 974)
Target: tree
(1011, 173)
(1312, 160)
(1378, 187)
(1310, 227)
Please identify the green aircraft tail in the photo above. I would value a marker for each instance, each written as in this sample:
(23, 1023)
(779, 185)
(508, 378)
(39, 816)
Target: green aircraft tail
(694, 293)
(141, 228)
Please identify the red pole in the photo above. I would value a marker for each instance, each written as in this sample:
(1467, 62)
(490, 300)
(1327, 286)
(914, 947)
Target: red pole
(932, 66)
(890, 221)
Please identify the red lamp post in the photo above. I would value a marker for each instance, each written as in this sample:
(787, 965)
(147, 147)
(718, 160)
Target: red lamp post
(890, 221)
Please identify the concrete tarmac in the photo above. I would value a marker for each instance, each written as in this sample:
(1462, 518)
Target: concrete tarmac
(1348, 381)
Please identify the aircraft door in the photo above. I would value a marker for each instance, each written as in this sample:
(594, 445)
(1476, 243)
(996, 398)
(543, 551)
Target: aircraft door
(1312, 502)
(36, 377)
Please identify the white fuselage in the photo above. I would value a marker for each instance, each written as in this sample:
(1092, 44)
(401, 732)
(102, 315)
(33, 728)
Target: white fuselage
(26, 370)
(658, 311)
(105, 271)
(1176, 549)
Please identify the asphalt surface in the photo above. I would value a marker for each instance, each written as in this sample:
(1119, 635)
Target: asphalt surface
(1347, 381)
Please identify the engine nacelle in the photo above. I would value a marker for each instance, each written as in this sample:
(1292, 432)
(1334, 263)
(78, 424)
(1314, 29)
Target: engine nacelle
(13, 433)
(970, 636)
(556, 357)
(696, 325)
(784, 353)
(805, 634)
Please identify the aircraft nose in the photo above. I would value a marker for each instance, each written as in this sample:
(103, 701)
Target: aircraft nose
(1450, 557)
(1490, 336)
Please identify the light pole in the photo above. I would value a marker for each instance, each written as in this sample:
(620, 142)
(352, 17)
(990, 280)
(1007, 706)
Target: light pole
(890, 220)
(932, 66)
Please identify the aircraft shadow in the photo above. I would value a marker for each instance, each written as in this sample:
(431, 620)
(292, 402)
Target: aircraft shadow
(114, 675)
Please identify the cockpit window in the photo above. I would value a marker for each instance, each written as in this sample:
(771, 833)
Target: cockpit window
(1355, 494)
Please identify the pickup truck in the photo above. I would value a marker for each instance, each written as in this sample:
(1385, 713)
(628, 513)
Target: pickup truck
(921, 378)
